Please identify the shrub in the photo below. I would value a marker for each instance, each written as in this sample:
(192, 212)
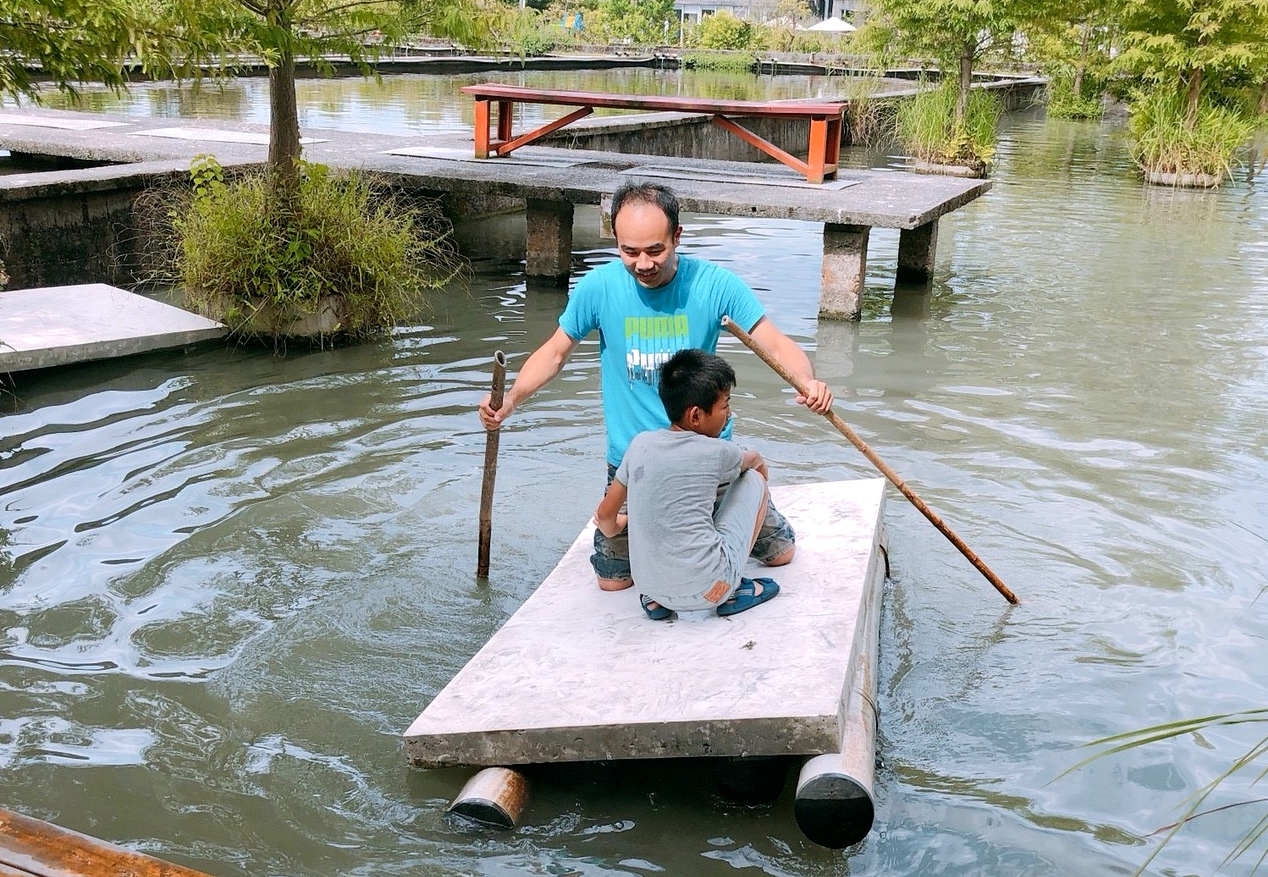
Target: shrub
(349, 241)
(722, 30)
(732, 62)
(926, 127)
(1165, 141)
(1063, 103)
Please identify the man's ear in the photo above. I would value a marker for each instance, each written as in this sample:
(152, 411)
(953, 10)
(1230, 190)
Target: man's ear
(694, 415)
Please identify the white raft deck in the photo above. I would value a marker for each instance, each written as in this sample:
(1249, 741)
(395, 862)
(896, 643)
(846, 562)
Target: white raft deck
(580, 674)
(60, 325)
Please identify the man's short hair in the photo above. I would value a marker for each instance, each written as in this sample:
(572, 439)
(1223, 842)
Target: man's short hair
(693, 378)
(647, 193)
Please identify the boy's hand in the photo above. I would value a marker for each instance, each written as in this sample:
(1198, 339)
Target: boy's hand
(755, 461)
(612, 528)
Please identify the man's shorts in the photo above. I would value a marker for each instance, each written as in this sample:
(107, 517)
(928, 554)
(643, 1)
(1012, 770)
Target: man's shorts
(611, 558)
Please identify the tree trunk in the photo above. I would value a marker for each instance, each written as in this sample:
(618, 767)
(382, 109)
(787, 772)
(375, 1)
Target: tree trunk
(966, 83)
(284, 148)
(1263, 99)
(1191, 100)
(1082, 65)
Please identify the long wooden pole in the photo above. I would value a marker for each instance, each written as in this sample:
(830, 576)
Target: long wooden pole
(875, 460)
(490, 467)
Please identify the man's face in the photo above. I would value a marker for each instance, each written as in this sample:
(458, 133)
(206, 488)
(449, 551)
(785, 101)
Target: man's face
(647, 243)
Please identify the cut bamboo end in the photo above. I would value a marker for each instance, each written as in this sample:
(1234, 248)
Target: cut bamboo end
(495, 796)
(832, 808)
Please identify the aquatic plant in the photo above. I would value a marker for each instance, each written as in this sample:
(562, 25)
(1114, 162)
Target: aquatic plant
(926, 126)
(735, 62)
(352, 261)
(1064, 102)
(1167, 137)
(1248, 761)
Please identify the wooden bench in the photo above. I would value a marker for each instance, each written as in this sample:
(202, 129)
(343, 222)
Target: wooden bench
(825, 120)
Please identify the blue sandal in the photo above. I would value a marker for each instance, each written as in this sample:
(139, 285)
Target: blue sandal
(746, 596)
(654, 610)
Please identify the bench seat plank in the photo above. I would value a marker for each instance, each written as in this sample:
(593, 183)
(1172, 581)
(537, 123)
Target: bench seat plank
(824, 142)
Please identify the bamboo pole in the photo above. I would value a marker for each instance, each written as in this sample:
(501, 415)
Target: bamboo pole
(490, 467)
(875, 460)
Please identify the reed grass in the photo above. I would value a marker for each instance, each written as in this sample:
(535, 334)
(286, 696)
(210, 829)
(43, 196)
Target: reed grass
(1165, 141)
(349, 238)
(925, 125)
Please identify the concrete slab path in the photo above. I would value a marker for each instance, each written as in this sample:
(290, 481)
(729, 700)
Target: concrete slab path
(60, 325)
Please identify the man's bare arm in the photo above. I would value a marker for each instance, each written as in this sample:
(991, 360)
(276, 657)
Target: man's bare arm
(539, 370)
(789, 354)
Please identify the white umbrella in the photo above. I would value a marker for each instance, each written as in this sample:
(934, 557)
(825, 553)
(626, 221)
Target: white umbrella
(833, 25)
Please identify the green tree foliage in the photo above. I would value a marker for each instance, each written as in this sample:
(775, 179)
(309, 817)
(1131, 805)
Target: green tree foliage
(722, 30)
(1197, 47)
(287, 30)
(638, 22)
(955, 34)
(74, 41)
(1074, 50)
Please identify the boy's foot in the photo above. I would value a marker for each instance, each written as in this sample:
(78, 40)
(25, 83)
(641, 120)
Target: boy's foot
(750, 593)
(654, 610)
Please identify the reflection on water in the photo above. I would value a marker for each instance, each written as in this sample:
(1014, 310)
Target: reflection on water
(431, 104)
(228, 581)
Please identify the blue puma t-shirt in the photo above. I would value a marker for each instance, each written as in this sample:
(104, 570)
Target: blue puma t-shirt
(641, 328)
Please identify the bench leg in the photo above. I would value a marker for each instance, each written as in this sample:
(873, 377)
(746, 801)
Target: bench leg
(833, 155)
(916, 250)
(481, 128)
(549, 240)
(506, 120)
(844, 267)
(817, 155)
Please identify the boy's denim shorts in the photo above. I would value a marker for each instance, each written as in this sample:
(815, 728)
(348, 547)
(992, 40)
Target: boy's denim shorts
(611, 558)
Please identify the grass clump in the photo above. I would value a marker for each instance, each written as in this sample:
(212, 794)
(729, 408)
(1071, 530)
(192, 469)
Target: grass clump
(1166, 138)
(926, 126)
(1063, 103)
(349, 259)
(729, 62)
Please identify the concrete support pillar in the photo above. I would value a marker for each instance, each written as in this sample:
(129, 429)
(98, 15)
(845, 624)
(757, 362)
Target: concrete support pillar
(844, 267)
(605, 219)
(549, 240)
(916, 249)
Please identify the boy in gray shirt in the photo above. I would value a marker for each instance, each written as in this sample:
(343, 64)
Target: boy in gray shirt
(687, 554)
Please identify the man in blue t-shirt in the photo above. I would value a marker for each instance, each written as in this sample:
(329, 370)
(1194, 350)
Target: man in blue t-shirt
(646, 307)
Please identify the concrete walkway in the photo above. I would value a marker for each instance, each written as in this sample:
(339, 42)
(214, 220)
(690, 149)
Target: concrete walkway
(549, 179)
(40, 328)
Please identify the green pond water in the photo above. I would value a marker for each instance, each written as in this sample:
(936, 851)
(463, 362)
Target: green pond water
(229, 580)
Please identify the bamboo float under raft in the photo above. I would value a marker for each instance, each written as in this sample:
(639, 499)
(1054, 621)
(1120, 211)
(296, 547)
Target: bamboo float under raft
(579, 674)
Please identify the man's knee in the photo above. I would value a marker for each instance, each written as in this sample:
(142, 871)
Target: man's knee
(783, 558)
(616, 584)
(611, 561)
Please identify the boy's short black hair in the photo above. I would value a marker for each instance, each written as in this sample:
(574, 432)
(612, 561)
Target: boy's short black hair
(693, 378)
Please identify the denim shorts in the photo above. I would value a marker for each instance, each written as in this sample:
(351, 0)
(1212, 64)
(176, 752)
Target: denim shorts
(611, 558)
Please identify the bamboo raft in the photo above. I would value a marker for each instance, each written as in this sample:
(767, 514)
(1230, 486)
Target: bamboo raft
(30, 847)
(580, 674)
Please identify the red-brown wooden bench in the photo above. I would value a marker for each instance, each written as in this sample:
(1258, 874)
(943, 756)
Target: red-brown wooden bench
(822, 155)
